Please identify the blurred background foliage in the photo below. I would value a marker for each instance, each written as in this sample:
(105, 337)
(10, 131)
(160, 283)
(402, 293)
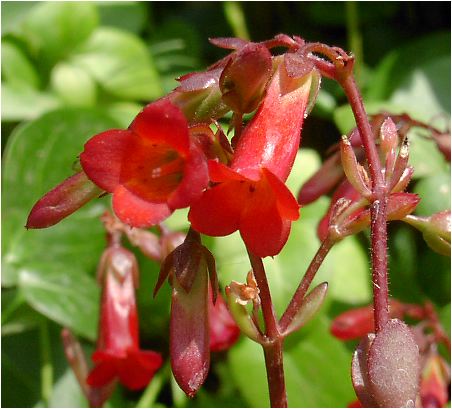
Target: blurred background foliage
(73, 69)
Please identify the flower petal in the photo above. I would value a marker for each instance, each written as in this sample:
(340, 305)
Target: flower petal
(162, 121)
(218, 211)
(262, 228)
(137, 212)
(104, 371)
(286, 202)
(102, 157)
(138, 369)
(194, 180)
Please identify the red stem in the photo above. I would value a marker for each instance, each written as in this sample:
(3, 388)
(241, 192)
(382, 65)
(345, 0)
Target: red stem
(273, 349)
(378, 208)
(297, 299)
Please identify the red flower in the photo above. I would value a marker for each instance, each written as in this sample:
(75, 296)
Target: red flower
(251, 196)
(118, 355)
(151, 168)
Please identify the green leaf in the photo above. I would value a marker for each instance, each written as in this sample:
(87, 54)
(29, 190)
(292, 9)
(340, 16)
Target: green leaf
(54, 29)
(67, 392)
(125, 15)
(16, 67)
(434, 191)
(63, 293)
(317, 371)
(14, 13)
(121, 63)
(24, 103)
(74, 85)
(37, 157)
(444, 315)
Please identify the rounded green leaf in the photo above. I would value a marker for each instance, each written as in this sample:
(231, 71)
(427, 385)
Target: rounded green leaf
(121, 64)
(434, 191)
(16, 67)
(64, 294)
(37, 157)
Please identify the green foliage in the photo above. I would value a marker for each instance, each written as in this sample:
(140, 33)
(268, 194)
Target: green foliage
(73, 69)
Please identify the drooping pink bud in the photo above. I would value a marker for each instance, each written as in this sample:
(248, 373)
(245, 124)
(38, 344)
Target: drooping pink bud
(69, 196)
(393, 366)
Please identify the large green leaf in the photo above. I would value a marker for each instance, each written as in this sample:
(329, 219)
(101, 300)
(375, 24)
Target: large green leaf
(434, 191)
(121, 63)
(317, 371)
(63, 293)
(126, 15)
(38, 157)
(53, 29)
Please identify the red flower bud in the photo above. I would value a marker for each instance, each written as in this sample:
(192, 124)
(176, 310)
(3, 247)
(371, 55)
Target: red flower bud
(152, 168)
(62, 201)
(251, 196)
(118, 355)
(393, 366)
(245, 76)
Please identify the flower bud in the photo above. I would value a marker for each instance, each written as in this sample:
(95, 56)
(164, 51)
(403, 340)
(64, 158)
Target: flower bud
(393, 366)
(359, 374)
(63, 200)
(436, 230)
(355, 173)
(243, 80)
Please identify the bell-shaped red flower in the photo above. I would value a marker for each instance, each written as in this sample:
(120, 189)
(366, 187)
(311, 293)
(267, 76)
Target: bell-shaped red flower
(151, 168)
(251, 196)
(118, 355)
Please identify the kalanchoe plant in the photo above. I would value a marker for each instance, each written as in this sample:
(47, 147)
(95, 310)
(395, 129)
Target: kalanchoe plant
(175, 154)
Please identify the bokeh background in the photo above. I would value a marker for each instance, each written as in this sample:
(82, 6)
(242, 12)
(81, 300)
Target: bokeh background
(73, 69)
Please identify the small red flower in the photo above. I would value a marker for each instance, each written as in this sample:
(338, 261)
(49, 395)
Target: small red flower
(118, 355)
(251, 196)
(151, 168)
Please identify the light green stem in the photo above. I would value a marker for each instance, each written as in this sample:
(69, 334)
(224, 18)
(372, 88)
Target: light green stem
(236, 19)
(355, 41)
(150, 394)
(46, 363)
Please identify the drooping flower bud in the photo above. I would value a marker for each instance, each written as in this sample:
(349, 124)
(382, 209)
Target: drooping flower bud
(69, 196)
(188, 266)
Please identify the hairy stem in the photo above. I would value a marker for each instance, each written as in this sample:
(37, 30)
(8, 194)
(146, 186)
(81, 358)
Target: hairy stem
(297, 300)
(378, 210)
(273, 349)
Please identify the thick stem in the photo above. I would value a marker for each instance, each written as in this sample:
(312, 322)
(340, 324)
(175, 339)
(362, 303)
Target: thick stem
(297, 299)
(275, 374)
(273, 349)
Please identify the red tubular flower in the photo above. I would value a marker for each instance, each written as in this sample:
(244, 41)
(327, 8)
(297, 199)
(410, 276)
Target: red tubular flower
(151, 168)
(251, 196)
(118, 355)
(224, 332)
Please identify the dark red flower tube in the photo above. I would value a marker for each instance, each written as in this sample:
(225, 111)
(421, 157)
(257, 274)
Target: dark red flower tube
(152, 168)
(251, 196)
(118, 355)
